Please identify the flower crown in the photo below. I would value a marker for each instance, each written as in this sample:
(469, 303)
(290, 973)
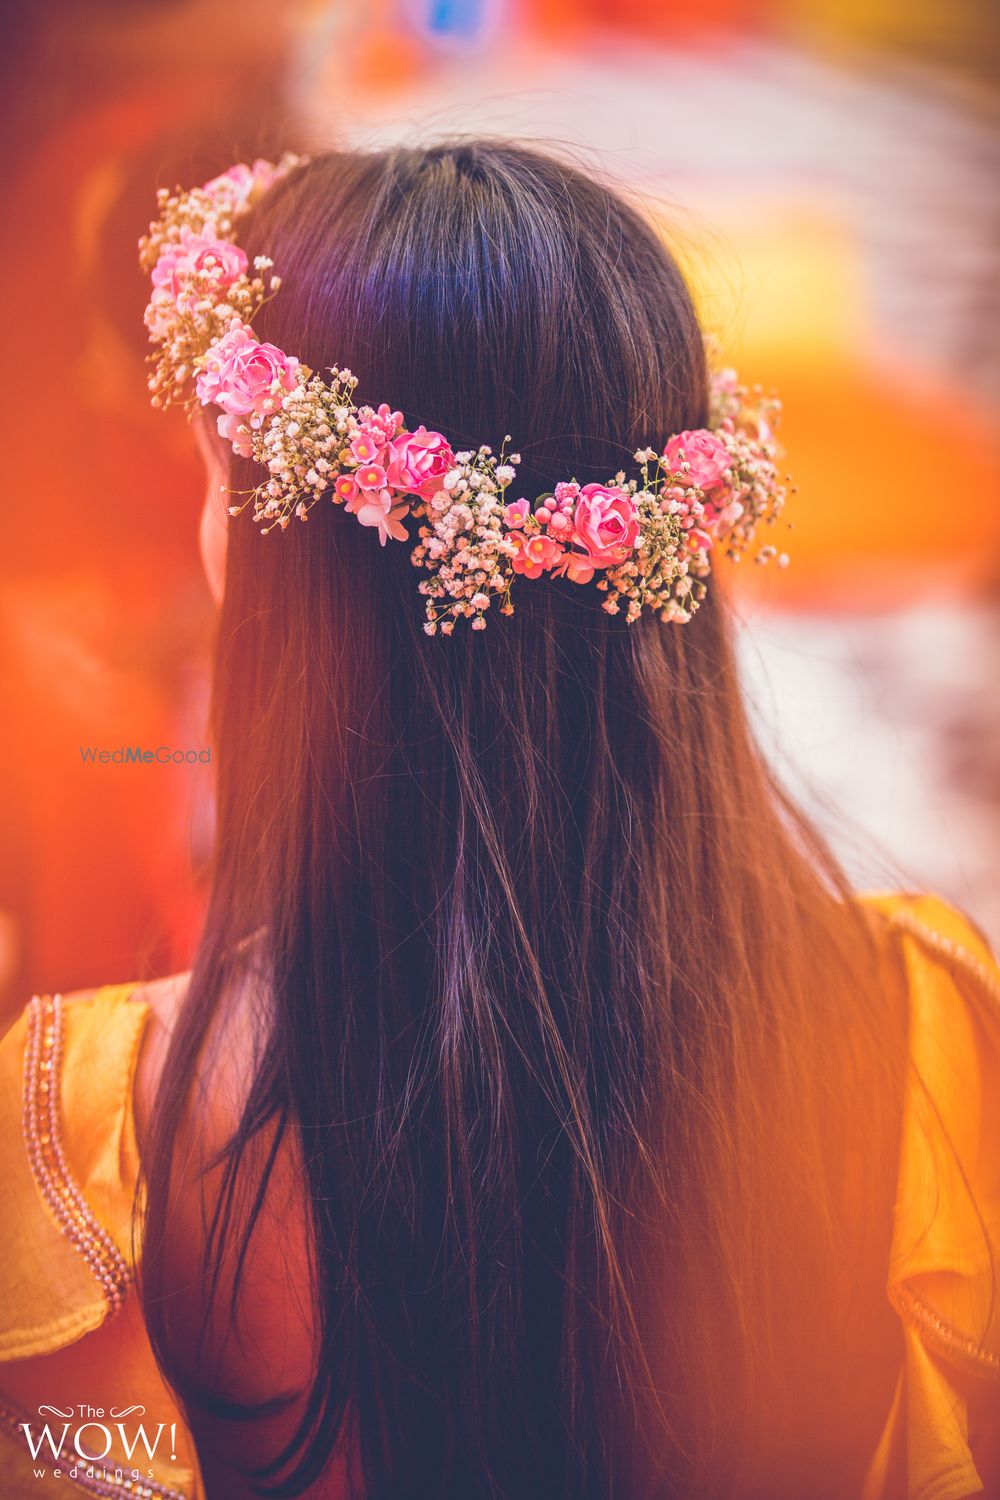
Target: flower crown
(646, 541)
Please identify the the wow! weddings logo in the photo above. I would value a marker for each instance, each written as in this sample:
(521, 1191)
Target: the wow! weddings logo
(76, 1443)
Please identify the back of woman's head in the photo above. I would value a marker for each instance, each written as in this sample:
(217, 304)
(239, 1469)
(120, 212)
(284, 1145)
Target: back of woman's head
(483, 290)
(532, 914)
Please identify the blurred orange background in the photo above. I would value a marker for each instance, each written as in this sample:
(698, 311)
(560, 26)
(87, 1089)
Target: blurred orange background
(825, 173)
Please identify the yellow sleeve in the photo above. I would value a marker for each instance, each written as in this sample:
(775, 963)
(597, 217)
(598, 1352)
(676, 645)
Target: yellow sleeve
(68, 1167)
(944, 1273)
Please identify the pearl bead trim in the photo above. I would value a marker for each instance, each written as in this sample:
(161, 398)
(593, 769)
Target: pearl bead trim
(49, 1167)
(943, 1337)
(984, 975)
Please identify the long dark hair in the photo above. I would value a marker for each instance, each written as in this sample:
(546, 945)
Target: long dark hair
(562, 997)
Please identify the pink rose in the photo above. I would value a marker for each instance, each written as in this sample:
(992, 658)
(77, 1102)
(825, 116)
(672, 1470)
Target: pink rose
(416, 462)
(195, 254)
(216, 264)
(606, 524)
(707, 455)
(535, 554)
(244, 376)
(242, 183)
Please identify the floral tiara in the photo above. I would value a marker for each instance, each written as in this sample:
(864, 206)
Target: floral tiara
(647, 542)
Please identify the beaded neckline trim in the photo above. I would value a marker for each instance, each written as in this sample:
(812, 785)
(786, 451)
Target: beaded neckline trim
(957, 1348)
(949, 949)
(47, 1158)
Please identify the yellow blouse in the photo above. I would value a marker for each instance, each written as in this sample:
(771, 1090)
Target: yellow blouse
(71, 1329)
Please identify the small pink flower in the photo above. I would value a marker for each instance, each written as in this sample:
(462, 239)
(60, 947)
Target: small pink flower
(242, 375)
(566, 492)
(378, 509)
(242, 182)
(560, 524)
(216, 263)
(708, 457)
(237, 433)
(371, 477)
(699, 540)
(515, 514)
(575, 567)
(606, 524)
(717, 520)
(535, 554)
(345, 486)
(418, 461)
(367, 447)
(382, 425)
(198, 254)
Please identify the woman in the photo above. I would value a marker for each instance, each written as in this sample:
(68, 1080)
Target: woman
(543, 1115)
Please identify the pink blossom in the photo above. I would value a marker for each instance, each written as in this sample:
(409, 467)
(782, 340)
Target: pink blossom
(707, 456)
(215, 263)
(237, 433)
(367, 447)
(371, 477)
(720, 519)
(378, 509)
(516, 513)
(575, 567)
(699, 540)
(535, 554)
(418, 461)
(242, 182)
(198, 254)
(606, 524)
(242, 375)
(345, 487)
(383, 424)
(566, 491)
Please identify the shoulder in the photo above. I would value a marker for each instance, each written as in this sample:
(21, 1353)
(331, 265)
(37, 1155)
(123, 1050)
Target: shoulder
(162, 1000)
(259, 1268)
(161, 997)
